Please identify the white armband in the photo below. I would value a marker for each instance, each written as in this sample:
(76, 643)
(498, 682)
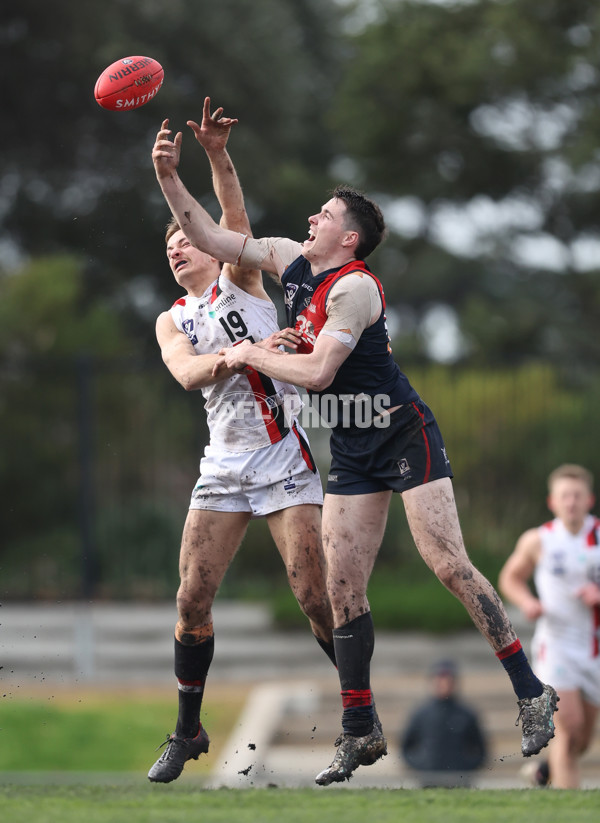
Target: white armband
(343, 336)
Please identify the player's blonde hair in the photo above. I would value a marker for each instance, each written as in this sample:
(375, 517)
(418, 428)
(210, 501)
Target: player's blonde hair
(171, 227)
(572, 471)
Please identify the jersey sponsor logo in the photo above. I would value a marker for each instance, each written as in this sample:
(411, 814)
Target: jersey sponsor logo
(224, 301)
(558, 563)
(275, 400)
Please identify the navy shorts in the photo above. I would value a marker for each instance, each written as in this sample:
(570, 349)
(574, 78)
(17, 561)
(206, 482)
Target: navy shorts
(407, 453)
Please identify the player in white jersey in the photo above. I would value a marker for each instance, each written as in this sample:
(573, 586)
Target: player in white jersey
(563, 558)
(258, 462)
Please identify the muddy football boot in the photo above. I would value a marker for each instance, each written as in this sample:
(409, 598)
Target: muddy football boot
(537, 714)
(353, 752)
(179, 750)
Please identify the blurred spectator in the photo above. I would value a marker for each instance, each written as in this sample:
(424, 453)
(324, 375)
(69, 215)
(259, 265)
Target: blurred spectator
(443, 740)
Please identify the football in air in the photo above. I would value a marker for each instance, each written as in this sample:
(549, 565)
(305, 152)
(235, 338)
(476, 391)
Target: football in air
(129, 83)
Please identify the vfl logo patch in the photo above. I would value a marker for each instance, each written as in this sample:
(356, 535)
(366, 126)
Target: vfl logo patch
(289, 484)
(290, 291)
(403, 466)
(188, 328)
(332, 478)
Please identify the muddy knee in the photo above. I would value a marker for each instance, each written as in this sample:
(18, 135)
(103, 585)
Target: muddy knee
(454, 575)
(193, 609)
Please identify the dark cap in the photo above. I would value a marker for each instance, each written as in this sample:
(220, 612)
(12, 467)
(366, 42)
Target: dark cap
(444, 667)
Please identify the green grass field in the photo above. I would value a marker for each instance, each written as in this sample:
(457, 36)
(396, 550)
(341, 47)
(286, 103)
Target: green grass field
(81, 757)
(95, 731)
(137, 803)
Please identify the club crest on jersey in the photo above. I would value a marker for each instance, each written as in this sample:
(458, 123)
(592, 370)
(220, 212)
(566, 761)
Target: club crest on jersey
(188, 328)
(290, 291)
(403, 466)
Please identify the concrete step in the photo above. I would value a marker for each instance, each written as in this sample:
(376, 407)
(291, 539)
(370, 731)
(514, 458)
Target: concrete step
(104, 642)
(286, 734)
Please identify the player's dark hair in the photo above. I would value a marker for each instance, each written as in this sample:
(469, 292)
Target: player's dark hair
(364, 216)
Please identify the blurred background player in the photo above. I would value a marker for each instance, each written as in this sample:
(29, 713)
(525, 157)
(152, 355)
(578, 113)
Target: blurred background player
(257, 463)
(563, 558)
(443, 740)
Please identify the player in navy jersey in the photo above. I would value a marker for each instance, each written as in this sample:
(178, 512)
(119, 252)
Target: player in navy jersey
(257, 463)
(384, 439)
(563, 558)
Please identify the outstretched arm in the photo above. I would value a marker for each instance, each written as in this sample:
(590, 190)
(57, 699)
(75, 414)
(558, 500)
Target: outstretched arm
(213, 134)
(269, 254)
(195, 221)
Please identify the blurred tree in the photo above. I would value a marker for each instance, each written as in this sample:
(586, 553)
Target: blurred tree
(479, 123)
(46, 324)
(95, 444)
(80, 178)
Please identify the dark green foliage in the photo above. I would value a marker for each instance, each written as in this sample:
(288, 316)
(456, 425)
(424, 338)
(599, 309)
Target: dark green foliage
(461, 107)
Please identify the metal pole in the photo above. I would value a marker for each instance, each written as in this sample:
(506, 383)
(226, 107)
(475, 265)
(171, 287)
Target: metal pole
(84, 381)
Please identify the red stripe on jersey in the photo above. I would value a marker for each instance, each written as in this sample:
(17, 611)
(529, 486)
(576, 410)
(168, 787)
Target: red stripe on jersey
(592, 541)
(217, 291)
(308, 458)
(180, 302)
(592, 537)
(596, 631)
(269, 419)
(512, 649)
(313, 317)
(425, 438)
(356, 697)
(549, 525)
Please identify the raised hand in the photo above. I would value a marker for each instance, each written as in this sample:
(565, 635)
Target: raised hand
(214, 131)
(166, 152)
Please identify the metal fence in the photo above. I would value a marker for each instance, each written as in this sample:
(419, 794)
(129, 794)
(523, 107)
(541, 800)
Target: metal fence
(98, 460)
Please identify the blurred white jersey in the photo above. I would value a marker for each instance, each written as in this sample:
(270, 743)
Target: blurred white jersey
(566, 641)
(245, 411)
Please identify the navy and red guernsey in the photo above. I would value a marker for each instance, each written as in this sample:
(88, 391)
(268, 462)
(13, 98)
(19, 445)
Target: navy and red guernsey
(369, 373)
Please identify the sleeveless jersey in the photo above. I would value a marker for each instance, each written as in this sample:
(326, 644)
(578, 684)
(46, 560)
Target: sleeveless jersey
(370, 370)
(245, 411)
(567, 562)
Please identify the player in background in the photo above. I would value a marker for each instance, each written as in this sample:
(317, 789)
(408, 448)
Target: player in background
(257, 463)
(385, 439)
(563, 558)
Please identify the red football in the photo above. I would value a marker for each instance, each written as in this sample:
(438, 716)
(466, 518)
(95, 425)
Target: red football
(128, 83)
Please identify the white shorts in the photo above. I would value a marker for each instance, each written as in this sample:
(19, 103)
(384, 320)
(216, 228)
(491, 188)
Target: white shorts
(565, 667)
(261, 481)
